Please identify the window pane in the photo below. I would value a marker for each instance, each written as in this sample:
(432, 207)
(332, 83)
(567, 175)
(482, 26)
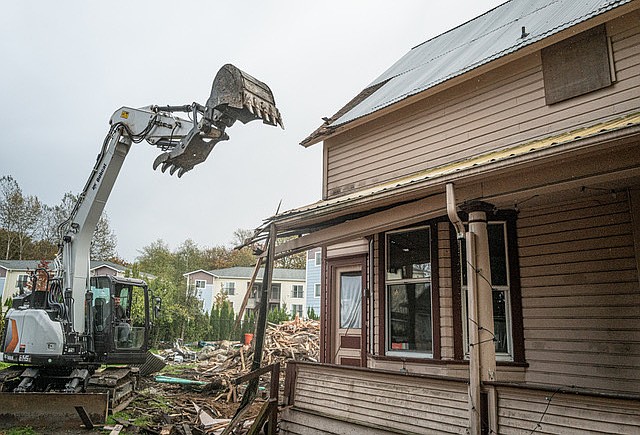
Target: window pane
(410, 317)
(500, 321)
(350, 300)
(408, 255)
(497, 254)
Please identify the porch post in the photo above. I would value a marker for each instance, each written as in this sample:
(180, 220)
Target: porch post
(482, 361)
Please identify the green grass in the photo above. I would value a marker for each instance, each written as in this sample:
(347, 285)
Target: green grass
(175, 369)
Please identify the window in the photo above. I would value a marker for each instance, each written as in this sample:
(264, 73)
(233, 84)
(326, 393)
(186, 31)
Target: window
(350, 300)
(229, 288)
(316, 290)
(275, 292)
(408, 293)
(255, 291)
(500, 281)
(22, 281)
(297, 291)
(200, 283)
(318, 258)
(274, 295)
(273, 306)
(296, 310)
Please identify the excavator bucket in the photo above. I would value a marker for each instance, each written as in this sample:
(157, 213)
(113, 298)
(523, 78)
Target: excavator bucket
(235, 96)
(239, 96)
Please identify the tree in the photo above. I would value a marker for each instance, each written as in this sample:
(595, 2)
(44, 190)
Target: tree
(104, 241)
(10, 199)
(295, 261)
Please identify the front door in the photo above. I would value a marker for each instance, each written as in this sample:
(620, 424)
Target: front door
(347, 281)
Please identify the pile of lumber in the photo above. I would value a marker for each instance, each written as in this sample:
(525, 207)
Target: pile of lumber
(199, 395)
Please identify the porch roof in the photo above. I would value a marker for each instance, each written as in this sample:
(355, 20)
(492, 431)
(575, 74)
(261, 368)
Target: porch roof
(326, 213)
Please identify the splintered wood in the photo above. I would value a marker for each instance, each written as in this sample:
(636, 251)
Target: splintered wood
(174, 405)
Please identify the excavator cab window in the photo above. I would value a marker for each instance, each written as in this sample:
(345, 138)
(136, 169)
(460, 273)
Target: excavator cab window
(129, 317)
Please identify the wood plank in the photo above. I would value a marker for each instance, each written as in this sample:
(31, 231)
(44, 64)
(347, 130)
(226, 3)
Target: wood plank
(583, 278)
(610, 241)
(607, 288)
(582, 335)
(584, 209)
(597, 253)
(579, 301)
(567, 269)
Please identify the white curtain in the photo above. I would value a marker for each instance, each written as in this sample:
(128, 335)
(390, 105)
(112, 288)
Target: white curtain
(350, 301)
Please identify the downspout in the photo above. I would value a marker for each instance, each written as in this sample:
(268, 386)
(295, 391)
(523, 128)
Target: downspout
(475, 423)
(453, 214)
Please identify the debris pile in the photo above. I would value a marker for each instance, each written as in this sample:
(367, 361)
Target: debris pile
(195, 393)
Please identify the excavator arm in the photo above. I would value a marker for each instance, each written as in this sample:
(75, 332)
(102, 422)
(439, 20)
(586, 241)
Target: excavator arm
(235, 95)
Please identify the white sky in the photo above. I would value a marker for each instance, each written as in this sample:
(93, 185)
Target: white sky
(68, 65)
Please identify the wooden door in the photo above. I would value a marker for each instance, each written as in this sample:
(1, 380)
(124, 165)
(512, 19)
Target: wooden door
(347, 313)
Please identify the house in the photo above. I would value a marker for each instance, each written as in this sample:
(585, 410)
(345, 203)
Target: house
(480, 234)
(14, 273)
(313, 280)
(287, 288)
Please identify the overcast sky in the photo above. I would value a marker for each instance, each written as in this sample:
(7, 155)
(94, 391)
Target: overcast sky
(68, 65)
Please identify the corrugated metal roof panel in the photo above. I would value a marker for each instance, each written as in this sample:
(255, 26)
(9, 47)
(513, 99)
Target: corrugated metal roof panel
(479, 41)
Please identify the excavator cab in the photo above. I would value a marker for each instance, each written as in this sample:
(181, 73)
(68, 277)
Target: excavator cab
(118, 316)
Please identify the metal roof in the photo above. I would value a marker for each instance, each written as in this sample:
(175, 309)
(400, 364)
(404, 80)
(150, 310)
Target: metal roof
(490, 36)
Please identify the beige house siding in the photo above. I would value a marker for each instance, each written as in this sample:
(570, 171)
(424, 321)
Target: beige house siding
(478, 116)
(446, 292)
(521, 411)
(390, 402)
(580, 294)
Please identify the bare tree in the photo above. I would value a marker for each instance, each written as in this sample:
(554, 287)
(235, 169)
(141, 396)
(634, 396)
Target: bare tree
(10, 199)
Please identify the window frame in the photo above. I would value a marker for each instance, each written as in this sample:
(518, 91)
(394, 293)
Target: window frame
(295, 294)
(317, 258)
(293, 311)
(384, 344)
(197, 281)
(513, 313)
(317, 290)
(506, 289)
(229, 288)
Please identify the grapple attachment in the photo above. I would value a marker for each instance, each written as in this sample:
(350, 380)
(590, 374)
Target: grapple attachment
(235, 95)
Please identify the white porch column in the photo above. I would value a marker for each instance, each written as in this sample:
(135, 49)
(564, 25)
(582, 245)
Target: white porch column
(482, 361)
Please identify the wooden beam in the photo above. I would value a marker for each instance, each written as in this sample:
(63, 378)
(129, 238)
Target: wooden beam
(405, 214)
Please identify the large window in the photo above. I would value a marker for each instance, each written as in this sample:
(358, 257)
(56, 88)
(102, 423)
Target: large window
(500, 281)
(408, 293)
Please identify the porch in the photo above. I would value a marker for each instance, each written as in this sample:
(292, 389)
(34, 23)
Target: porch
(332, 399)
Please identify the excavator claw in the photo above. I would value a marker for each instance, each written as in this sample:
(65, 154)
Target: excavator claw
(235, 96)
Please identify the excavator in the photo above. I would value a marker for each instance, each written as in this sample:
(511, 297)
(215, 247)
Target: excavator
(74, 340)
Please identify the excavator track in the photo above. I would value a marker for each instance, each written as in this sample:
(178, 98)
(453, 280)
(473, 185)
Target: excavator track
(119, 382)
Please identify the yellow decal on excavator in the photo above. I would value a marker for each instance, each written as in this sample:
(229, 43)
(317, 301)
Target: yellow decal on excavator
(124, 114)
